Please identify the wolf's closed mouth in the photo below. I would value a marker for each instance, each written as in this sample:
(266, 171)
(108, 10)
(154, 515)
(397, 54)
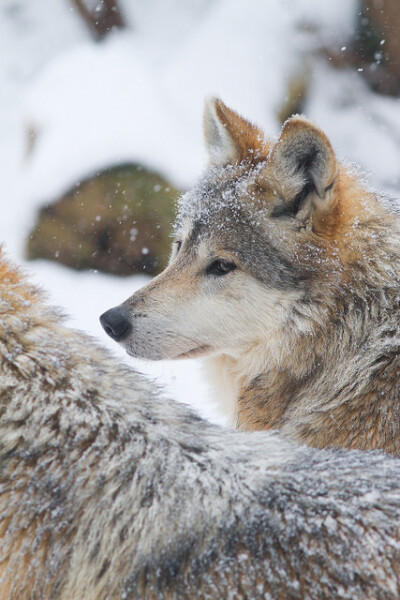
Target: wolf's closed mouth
(194, 352)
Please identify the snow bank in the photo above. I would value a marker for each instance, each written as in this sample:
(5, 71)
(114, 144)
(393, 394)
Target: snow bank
(101, 104)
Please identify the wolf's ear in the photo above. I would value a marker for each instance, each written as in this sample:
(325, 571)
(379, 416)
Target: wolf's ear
(305, 167)
(230, 138)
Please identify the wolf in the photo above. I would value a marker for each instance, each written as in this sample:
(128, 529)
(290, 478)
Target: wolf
(285, 278)
(109, 491)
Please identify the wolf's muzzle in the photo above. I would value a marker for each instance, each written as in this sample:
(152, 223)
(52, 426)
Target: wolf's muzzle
(116, 323)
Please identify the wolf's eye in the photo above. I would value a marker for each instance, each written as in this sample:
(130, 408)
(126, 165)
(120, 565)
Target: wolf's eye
(178, 245)
(220, 267)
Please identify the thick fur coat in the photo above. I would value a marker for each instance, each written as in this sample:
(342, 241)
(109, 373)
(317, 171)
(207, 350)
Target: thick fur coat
(110, 491)
(285, 277)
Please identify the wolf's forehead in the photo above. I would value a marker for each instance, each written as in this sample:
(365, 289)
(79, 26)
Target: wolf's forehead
(220, 197)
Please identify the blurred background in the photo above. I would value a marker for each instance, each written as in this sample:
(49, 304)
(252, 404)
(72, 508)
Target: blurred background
(101, 126)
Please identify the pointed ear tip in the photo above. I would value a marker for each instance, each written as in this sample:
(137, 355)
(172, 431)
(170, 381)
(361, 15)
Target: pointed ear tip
(302, 124)
(299, 122)
(210, 103)
(211, 99)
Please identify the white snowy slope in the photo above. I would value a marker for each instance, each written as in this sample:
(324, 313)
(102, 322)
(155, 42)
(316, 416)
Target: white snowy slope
(138, 96)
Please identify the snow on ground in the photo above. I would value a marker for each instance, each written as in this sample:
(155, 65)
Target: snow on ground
(138, 96)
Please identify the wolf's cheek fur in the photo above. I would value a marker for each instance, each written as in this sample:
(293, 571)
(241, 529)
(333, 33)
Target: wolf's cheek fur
(229, 317)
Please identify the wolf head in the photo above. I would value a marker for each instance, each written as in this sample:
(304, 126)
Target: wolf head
(261, 235)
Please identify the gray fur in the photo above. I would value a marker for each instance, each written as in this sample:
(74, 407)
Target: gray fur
(218, 206)
(110, 491)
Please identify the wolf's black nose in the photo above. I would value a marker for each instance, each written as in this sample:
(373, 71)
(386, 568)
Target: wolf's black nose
(116, 323)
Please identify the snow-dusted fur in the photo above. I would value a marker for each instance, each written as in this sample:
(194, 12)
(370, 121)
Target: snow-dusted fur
(110, 491)
(285, 276)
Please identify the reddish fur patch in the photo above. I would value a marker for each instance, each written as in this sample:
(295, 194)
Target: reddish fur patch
(10, 278)
(249, 140)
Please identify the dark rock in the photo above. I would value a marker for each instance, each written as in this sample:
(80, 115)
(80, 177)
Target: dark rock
(118, 221)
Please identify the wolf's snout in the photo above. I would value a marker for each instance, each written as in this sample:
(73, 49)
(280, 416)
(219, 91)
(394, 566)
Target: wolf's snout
(116, 323)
